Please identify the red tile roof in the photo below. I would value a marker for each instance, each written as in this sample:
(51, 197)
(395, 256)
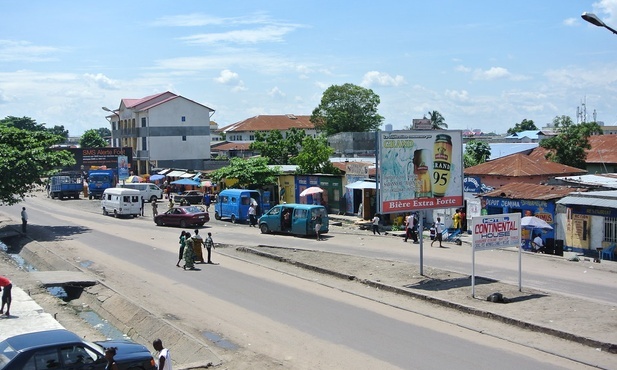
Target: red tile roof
(230, 145)
(270, 122)
(517, 165)
(519, 190)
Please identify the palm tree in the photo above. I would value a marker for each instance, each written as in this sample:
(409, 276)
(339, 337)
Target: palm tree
(437, 120)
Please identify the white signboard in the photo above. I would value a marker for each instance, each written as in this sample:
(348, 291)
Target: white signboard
(496, 231)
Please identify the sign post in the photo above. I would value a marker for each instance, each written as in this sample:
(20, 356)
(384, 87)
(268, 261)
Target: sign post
(494, 232)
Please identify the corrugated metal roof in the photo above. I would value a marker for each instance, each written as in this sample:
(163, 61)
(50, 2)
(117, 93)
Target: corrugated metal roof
(519, 190)
(518, 165)
(499, 150)
(176, 173)
(605, 199)
(270, 122)
(606, 180)
(230, 145)
(532, 134)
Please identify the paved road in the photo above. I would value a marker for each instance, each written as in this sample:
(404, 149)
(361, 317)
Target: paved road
(283, 317)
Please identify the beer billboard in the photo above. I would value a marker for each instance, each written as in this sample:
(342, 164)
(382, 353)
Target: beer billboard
(420, 170)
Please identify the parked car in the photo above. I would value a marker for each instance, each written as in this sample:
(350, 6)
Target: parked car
(62, 349)
(191, 196)
(183, 216)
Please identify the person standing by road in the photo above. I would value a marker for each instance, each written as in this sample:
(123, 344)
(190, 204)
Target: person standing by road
(207, 201)
(110, 352)
(438, 232)
(163, 357)
(189, 254)
(376, 224)
(197, 243)
(155, 208)
(183, 236)
(318, 222)
(6, 286)
(209, 245)
(24, 219)
(252, 215)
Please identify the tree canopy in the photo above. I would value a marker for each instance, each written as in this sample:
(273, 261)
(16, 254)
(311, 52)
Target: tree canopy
(278, 149)
(570, 144)
(92, 139)
(437, 120)
(347, 108)
(26, 157)
(315, 156)
(476, 152)
(525, 125)
(249, 172)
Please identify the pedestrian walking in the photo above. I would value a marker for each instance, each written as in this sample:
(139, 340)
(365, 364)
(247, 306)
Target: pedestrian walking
(183, 236)
(24, 219)
(189, 254)
(207, 201)
(143, 205)
(252, 215)
(197, 243)
(110, 352)
(6, 286)
(155, 208)
(318, 222)
(171, 203)
(438, 232)
(376, 224)
(163, 356)
(408, 227)
(209, 245)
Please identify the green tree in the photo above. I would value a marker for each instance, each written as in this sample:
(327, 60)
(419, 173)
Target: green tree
(60, 131)
(103, 132)
(277, 149)
(476, 152)
(437, 120)
(315, 156)
(347, 108)
(23, 123)
(26, 157)
(525, 125)
(92, 139)
(251, 172)
(571, 142)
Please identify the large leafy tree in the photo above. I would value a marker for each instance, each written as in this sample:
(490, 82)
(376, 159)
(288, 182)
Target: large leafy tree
(59, 131)
(103, 132)
(524, 125)
(347, 108)
(26, 157)
(92, 139)
(251, 172)
(315, 156)
(437, 120)
(570, 144)
(276, 148)
(476, 152)
(23, 123)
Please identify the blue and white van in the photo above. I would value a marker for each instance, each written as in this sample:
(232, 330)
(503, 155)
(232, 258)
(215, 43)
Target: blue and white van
(234, 204)
(296, 219)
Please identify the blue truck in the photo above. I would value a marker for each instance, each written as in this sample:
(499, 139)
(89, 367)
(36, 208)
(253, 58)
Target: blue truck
(99, 180)
(66, 185)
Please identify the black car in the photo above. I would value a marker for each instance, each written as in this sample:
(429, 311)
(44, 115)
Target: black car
(191, 196)
(183, 216)
(62, 349)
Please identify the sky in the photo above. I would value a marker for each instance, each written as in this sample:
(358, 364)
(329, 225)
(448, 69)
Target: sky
(482, 64)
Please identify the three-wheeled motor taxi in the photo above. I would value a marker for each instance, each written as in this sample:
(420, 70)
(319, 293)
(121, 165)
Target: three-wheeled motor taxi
(296, 219)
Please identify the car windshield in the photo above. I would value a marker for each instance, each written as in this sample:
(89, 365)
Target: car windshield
(6, 353)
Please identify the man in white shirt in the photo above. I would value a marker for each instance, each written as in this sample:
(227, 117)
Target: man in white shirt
(163, 357)
(24, 219)
(438, 232)
(538, 244)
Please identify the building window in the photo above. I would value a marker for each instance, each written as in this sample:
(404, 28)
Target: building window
(251, 137)
(144, 144)
(184, 138)
(143, 121)
(610, 229)
(183, 119)
(113, 126)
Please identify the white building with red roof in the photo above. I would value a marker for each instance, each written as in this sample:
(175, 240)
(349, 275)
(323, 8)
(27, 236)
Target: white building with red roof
(165, 130)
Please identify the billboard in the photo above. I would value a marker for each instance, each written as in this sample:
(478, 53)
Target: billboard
(496, 231)
(108, 156)
(420, 170)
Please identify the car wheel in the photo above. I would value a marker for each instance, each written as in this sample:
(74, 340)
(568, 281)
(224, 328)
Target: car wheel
(264, 228)
(183, 224)
(217, 216)
(158, 222)
(233, 219)
(153, 199)
(90, 196)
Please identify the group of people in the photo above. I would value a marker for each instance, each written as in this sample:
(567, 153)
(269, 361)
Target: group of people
(411, 227)
(162, 356)
(459, 219)
(190, 249)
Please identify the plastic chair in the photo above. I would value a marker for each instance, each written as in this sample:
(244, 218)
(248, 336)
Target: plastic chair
(608, 253)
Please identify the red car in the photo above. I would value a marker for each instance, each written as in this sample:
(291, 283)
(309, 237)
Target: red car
(183, 217)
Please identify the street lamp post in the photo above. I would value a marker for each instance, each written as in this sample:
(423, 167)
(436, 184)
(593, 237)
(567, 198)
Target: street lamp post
(593, 19)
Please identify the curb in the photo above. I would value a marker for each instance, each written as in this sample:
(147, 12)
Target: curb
(604, 346)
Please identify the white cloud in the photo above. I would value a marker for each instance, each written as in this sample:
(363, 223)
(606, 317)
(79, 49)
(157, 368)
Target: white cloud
(229, 78)
(461, 95)
(491, 73)
(25, 51)
(571, 22)
(462, 68)
(263, 34)
(276, 92)
(608, 9)
(200, 20)
(101, 81)
(375, 78)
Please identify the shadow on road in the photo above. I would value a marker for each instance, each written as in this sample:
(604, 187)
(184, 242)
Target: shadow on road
(435, 284)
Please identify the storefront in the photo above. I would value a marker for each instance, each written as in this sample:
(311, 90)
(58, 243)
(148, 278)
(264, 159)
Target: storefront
(332, 191)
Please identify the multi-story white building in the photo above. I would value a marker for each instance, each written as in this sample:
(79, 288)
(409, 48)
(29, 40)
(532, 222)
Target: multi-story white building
(165, 131)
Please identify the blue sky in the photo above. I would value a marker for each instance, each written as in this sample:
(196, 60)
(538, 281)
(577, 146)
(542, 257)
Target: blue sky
(482, 64)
